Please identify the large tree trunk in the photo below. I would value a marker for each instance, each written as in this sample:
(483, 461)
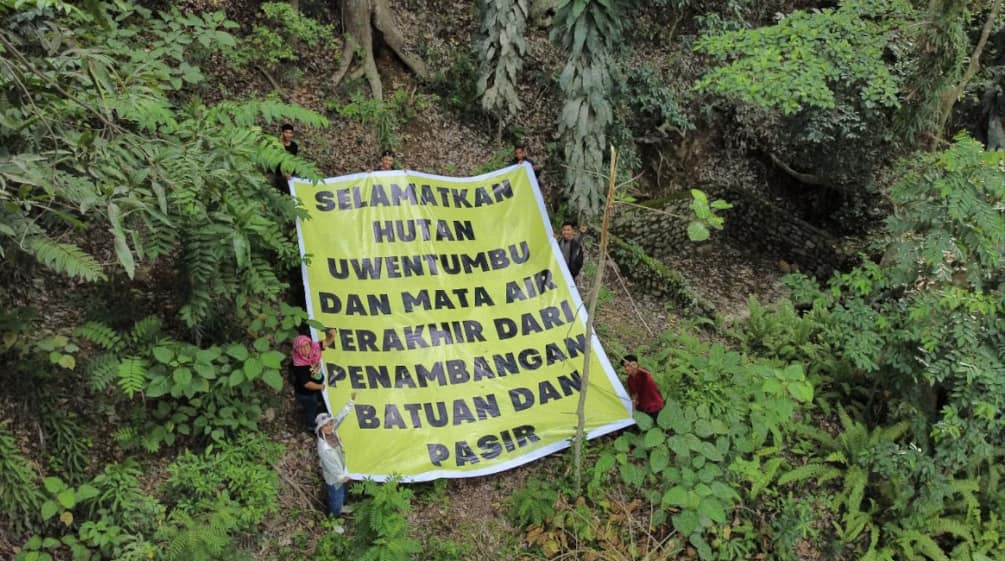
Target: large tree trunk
(359, 18)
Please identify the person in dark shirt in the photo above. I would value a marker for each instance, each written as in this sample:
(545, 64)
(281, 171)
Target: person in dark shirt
(572, 250)
(386, 162)
(520, 156)
(642, 388)
(286, 139)
(308, 381)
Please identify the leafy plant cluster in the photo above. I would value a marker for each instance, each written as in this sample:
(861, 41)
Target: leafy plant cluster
(588, 31)
(282, 36)
(116, 181)
(909, 356)
(209, 499)
(385, 116)
(721, 411)
(381, 523)
(501, 47)
(803, 59)
(108, 152)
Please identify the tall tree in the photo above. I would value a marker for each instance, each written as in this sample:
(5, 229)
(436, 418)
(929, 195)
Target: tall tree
(361, 17)
(588, 30)
(501, 48)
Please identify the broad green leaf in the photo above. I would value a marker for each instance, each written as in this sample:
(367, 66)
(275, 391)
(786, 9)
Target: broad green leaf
(273, 379)
(67, 498)
(697, 232)
(236, 378)
(272, 359)
(239, 352)
(164, 355)
(676, 496)
(253, 368)
(654, 437)
(713, 509)
(53, 484)
(182, 376)
(659, 459)
(49, 509)
(686, 522)
(85, 492)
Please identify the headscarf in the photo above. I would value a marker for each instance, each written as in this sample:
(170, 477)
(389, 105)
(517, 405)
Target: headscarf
(312, 357)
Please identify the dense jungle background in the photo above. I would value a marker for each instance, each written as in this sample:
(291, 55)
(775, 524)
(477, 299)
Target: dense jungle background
(806, 253)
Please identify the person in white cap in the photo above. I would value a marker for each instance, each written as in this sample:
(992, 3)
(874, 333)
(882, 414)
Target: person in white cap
(332, 456)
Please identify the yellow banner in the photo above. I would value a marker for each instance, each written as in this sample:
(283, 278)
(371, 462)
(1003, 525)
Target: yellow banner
(458, 323)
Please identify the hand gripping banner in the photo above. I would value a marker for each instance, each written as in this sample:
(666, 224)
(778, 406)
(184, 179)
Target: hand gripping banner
(458, 323)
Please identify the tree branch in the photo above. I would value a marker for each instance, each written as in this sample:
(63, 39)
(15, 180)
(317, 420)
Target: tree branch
(950, 96)
(806, 178)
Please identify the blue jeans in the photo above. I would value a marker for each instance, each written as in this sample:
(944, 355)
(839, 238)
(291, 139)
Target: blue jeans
(336, 498)
(312, 404)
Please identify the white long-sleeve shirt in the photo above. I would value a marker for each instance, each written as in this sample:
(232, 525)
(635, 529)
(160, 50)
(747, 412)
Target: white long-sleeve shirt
(333, 466)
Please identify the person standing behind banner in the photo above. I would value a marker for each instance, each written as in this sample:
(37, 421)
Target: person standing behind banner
(332, 457)
(520, 156)
(286, 139)
(386, 162)
(571, 249)
(307, 376)
(642, 388)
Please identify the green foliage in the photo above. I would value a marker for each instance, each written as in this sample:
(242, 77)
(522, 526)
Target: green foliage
(381, 522)
(20, 496)
(280, 36)
(651, 105)
(533, 504)
(232, 477)
(588, 30)
(794, 524)
(705, 216)
(720, 410)
(914, 344)
(204, 538)
(501, 47)
(121, 501)
(62, 498)
(800, 61)
(190, 391)
(385, 117)
(69, 447)
(108, 150)
(457, 82)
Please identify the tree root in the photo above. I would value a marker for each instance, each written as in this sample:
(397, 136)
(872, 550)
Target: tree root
(360, 17)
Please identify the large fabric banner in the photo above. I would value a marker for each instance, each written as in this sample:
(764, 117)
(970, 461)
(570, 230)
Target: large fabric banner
(458, 323)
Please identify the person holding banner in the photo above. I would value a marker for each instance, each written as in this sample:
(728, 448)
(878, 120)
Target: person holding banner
(520, 156)
(386, 162)
(645, 395)
(332, 457)
(307, 377)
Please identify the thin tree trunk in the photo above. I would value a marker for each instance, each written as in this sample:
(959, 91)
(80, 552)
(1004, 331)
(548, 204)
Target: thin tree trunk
(950, 97)
(577, 443)
(384, 23)
(359, 17)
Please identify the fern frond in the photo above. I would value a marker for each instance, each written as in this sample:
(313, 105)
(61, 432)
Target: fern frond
(855, 480)
(101, 335)
(248, 113)
(145, 332)
(102, 371)
(132, 373)
(923, 544)
(827, 442)
(950, 526)
(820, 472)
(65, 258)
